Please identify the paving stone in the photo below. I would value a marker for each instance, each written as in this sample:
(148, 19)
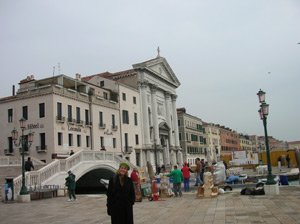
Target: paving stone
(227, 208)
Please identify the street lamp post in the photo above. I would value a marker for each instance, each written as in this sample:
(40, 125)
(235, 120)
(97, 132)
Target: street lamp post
(263, 113)
(22, 141)
(155, 149)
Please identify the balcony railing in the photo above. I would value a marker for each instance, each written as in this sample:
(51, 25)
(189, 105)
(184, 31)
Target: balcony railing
(41, 148)
(8, 152)
(26, 151)
(114, 127)
(128, 149)
(60, 119)
(71, 121)
(88, 123)
(102, 125)
(79, 122)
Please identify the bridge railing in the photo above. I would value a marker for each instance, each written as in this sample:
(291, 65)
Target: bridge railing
(35, 179)
(11, 161)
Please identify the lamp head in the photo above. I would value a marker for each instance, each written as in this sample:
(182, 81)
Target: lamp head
(22, 123)
(264, 109)
(30, 137)
(261, 96)
(14, 134)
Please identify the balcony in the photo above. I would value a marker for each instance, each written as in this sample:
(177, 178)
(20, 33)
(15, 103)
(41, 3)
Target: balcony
(26, 151)
(114, 127)
(71, 121)
(88, 124)
(79, 122)
(128, 149)
(9, 152)
(102, 126)
(60, 119)
(41, 148)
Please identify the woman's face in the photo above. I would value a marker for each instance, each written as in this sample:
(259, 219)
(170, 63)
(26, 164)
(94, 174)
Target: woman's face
(123, 170)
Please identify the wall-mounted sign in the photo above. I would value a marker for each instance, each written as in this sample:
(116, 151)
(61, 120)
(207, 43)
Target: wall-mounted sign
(34, 126)
(74, 129)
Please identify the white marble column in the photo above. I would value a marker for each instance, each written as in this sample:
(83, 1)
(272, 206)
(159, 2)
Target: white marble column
(144, 107)
(154, 112)
(173, 158)
(148, 156)
(144, 159)
(179, 158)
(175, 121)
(168, 117)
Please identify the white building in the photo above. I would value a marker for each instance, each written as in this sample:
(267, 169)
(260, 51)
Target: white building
(132, 113)
(64, 114)
(213, 147)
(156, 83)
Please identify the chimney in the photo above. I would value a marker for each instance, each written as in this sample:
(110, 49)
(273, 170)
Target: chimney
(13, 90)
(78, 76)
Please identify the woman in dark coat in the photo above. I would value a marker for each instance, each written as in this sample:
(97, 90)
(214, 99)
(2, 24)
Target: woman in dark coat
(121, 197)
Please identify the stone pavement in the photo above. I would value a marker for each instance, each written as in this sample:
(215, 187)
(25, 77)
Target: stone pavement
(227, 208)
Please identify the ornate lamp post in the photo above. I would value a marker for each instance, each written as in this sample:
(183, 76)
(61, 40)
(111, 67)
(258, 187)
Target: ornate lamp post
(22, 141)
(263, 113)
(155, 149)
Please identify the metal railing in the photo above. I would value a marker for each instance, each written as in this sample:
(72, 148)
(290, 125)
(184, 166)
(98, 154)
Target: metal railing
(41, 148)
(8, 151)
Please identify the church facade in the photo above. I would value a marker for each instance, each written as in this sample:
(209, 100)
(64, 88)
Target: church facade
(157, 84)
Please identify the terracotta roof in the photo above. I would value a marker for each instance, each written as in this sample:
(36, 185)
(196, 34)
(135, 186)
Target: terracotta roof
(295, 142)
(107, 74)
(7, 98)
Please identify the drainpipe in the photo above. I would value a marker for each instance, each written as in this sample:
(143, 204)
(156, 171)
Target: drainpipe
(90, 120)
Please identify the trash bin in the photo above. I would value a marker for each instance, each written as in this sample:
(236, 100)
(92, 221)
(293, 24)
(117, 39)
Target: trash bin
(9, 189)
(283, 180)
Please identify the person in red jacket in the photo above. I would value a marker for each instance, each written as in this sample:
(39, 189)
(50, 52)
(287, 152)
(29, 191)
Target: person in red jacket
(186, 177)
(135, 179)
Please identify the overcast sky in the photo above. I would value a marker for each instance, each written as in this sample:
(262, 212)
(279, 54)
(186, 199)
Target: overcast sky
(221, 51)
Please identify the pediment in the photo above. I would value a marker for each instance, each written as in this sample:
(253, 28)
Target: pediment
(159, 68)
(164, 126)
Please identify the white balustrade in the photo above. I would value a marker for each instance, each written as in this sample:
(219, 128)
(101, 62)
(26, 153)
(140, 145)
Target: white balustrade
(35, 179)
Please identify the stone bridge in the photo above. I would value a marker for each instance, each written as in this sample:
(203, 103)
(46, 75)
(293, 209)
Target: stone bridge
(88, 166)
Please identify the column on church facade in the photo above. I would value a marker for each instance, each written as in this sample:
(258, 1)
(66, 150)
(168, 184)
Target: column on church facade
(179, 158)
(175, 121)
(143, 159)
(154, 113)
(148, 156)
(168, 116)
(145, 122)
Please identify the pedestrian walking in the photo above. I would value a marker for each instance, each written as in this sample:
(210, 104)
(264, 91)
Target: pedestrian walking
(198, 172)
(177, 179)
(288, 160)
(71, 185)
(203, 169)
(28, 165)
(279, 161)
(121, 196)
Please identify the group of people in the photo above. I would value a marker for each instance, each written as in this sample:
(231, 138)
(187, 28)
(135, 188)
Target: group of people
(184, 175)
